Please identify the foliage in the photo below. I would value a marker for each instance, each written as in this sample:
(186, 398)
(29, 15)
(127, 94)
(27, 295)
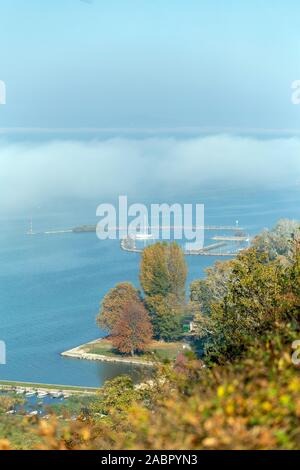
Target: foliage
(167, 320)
(113, 304)
(249, 308)
(117, 395)
(163, 276)
(247, 397)
(278, 241)
(8, 402)
(212, 289)
(132, 332)
(251, 404)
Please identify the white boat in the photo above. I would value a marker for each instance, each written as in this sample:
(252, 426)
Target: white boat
(144, 235)
(57, 395)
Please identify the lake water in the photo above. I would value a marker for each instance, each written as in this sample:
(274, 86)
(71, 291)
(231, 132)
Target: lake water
(51, 285)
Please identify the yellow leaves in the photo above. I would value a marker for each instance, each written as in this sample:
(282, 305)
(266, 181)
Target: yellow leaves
(229, 409)
(5, 444)
(294, 385)
(210, 442)
(47, 428)
(284, 361)
(85, 433)
(223, 390)
(285, 400)
(138, 416)
(297, 408)
(266, 406)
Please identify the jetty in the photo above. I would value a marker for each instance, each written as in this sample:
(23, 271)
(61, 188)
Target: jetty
(42, 390)
(229, 244)
(208, 250)
(224, 245)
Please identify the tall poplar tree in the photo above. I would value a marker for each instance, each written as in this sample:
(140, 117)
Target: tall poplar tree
(163, 277)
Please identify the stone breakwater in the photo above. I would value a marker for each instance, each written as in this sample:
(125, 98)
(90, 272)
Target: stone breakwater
(40, 390)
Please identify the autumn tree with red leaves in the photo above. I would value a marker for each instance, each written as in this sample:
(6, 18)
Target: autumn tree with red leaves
(113, 304)
(133, 330)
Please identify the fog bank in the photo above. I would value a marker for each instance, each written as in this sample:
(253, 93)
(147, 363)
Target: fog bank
(36, 173)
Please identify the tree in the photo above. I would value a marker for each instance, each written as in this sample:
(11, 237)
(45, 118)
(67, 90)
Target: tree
(290, 304)
(167, 321)
(114, 302)
(133, 330)
(243, 299)
(154, 275)
(163, 276)
(250, 307)
(116, 394)
(278, 241)
(212, 289)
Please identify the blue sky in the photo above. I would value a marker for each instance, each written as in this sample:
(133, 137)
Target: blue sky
(142, 63)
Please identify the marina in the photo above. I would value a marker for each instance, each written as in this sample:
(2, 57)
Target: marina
(228, 244)
(225, 245)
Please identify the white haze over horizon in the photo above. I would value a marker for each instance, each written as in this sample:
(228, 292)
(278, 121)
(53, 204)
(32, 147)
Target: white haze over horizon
(32, 173)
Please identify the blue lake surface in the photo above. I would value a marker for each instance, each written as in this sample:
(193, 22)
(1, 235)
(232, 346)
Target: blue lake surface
(51, 285)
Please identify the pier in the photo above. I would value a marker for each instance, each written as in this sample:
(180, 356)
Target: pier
(213, 249)
(44, 389)
(208, 250)
(233, 242)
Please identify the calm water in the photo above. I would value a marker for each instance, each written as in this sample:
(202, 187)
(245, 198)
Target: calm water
(51, 285)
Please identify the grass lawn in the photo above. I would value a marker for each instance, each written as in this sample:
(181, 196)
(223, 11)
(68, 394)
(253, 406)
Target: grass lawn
(157, 349)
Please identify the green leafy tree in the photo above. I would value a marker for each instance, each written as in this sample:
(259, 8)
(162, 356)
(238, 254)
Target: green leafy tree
(250, 306)
(163, 276)
(117, 394)
(167, 321)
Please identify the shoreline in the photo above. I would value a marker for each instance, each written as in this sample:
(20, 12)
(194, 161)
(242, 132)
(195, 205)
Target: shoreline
(15, 385)
(79, 353)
